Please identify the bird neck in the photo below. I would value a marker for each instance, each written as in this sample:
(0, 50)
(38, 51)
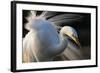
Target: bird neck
(43, 56)
(63, 43)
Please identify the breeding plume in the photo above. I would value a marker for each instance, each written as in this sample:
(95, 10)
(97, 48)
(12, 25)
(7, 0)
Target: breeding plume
(44, 43)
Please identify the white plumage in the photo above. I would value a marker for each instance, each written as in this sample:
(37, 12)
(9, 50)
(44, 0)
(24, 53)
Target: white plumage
(44, 43)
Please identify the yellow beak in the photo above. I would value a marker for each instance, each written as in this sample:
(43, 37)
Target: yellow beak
(75, 39)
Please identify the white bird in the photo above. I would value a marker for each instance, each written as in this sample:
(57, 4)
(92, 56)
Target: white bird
(44, 43)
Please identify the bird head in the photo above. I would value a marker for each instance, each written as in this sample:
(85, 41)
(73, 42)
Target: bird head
(71, 33)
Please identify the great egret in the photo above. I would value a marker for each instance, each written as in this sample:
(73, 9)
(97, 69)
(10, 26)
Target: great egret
(43, 42)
